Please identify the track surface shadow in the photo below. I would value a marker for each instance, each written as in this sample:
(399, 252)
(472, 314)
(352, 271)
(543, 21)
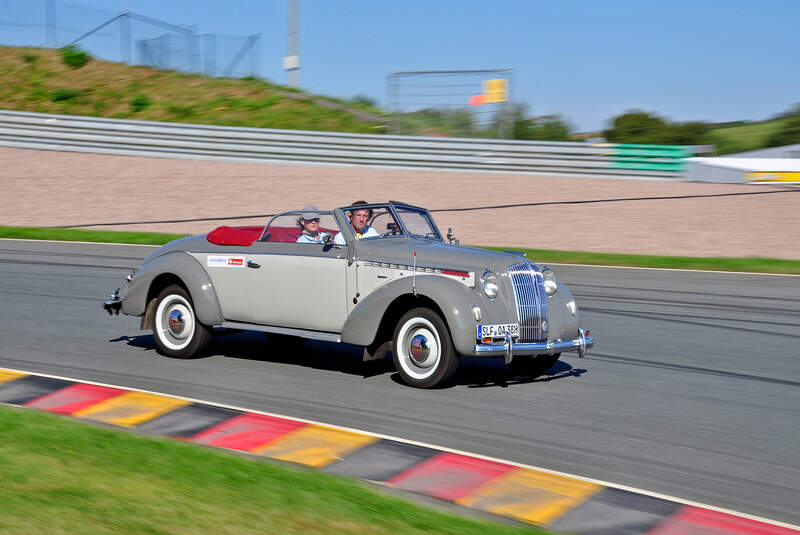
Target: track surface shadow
(345, 358)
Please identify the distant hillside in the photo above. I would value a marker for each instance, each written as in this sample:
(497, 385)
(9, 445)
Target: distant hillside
(744, 136)
(37, 80)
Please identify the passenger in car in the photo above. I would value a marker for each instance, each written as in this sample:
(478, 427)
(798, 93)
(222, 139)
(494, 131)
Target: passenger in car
(358, 222)
(309, 225)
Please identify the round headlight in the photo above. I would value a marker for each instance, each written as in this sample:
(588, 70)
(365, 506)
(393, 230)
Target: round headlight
(550, 284)
(489, 283)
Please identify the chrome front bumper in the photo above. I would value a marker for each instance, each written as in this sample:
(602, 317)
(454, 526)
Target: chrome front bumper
(509, 348)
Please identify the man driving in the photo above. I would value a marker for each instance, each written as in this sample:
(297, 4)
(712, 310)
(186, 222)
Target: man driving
(359, 217)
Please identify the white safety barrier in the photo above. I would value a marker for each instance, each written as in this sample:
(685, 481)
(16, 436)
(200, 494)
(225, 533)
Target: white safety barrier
(178, 140)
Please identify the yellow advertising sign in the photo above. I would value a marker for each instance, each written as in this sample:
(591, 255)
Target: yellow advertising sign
(773, 176)
(495, 90)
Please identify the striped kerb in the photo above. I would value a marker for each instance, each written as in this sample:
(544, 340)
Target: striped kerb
(449, 476)
(246, 431)
(74, 398)
(130, 409)
(6, 375)
(530, 495)
(315, 446)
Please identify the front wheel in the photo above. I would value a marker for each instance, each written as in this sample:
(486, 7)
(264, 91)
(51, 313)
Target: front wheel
(422, 349)
(176, 329)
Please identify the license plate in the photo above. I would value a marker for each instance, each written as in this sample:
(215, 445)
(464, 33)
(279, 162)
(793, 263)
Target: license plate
(498, 331)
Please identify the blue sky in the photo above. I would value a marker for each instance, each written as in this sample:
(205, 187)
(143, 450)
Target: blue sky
(585, 60)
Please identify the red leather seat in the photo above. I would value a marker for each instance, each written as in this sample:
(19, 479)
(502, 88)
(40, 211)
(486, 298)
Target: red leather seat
(234, 235)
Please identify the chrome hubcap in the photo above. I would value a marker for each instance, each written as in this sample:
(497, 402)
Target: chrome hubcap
(176, 322)
(420, 348)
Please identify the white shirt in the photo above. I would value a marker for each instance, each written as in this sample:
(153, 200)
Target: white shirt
(368, 232)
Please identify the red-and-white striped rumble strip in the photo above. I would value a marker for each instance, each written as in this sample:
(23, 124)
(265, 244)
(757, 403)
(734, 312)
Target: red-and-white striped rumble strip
(559, 502)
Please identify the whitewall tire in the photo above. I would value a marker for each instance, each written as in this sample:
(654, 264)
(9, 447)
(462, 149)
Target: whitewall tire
(176, 329)
(422, 349)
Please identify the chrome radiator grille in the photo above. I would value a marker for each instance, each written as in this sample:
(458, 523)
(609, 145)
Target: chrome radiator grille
(531, 301)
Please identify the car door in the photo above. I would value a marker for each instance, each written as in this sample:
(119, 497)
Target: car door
(297, 285)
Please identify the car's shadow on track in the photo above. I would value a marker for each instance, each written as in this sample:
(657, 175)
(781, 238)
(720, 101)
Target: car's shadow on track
(345, 358)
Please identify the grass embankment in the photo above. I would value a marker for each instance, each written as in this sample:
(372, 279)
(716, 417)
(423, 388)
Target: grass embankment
(63, 476)
(745, 137)
(37, 80)
(758, 265)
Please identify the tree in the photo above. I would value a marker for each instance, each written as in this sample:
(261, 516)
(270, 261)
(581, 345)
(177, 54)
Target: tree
(788, 134)
(544, 128)
(691, 133)
(636, 127)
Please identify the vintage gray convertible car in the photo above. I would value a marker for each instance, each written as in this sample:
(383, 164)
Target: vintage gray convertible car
(392, 285)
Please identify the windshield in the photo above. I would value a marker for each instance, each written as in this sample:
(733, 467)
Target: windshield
(418, 222)
(371, 221)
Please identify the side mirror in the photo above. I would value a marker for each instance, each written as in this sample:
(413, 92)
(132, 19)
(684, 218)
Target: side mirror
(327, 238)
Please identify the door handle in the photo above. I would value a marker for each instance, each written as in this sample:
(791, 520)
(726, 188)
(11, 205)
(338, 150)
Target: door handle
(253, 265)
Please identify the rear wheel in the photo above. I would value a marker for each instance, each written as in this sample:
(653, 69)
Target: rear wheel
(177, 331)
(422, 349)
(534, 366)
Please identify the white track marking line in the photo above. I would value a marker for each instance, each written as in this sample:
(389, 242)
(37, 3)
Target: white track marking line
(434, 447)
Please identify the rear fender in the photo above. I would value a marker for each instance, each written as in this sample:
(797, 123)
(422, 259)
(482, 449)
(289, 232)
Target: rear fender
(189, 272)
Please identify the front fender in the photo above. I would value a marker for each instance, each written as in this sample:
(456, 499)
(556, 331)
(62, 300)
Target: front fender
(189, 271)
(453, 298)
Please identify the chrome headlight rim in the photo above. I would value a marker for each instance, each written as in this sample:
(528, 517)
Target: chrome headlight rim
(490, 284)
(550, 281)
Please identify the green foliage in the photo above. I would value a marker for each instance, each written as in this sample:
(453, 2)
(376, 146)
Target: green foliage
(74, 57)
(641, 127)
(139, 103)
(30, 58)
(544, 128)
(637, 127)
(691, 133)
(64, 94)
(788, 134)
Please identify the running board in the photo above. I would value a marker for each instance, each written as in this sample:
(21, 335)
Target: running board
(302, 333)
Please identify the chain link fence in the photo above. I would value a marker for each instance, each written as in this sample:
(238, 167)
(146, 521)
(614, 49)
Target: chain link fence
(475, 103)
(127, 37)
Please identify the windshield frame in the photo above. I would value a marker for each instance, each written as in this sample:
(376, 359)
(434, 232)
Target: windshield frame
(392, 206)
(425, 213)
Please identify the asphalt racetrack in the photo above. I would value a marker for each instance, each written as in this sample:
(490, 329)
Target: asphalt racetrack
(692, 390)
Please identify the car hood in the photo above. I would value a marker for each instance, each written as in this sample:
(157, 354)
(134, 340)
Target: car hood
(431, 253)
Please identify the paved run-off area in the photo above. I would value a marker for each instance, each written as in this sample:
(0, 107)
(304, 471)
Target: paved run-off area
(49, 188)
(526, 494)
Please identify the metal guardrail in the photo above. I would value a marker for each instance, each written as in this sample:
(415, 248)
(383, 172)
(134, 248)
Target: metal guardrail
(162, 139)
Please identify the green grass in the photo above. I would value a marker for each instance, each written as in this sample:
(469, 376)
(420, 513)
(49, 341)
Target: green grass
(106, 89)
(105, 236)
(64, 476)
(753, 136)
(757, 265)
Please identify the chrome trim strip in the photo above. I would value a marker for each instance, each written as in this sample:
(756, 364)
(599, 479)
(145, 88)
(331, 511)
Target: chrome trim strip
(302, 333)
(580, 344)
